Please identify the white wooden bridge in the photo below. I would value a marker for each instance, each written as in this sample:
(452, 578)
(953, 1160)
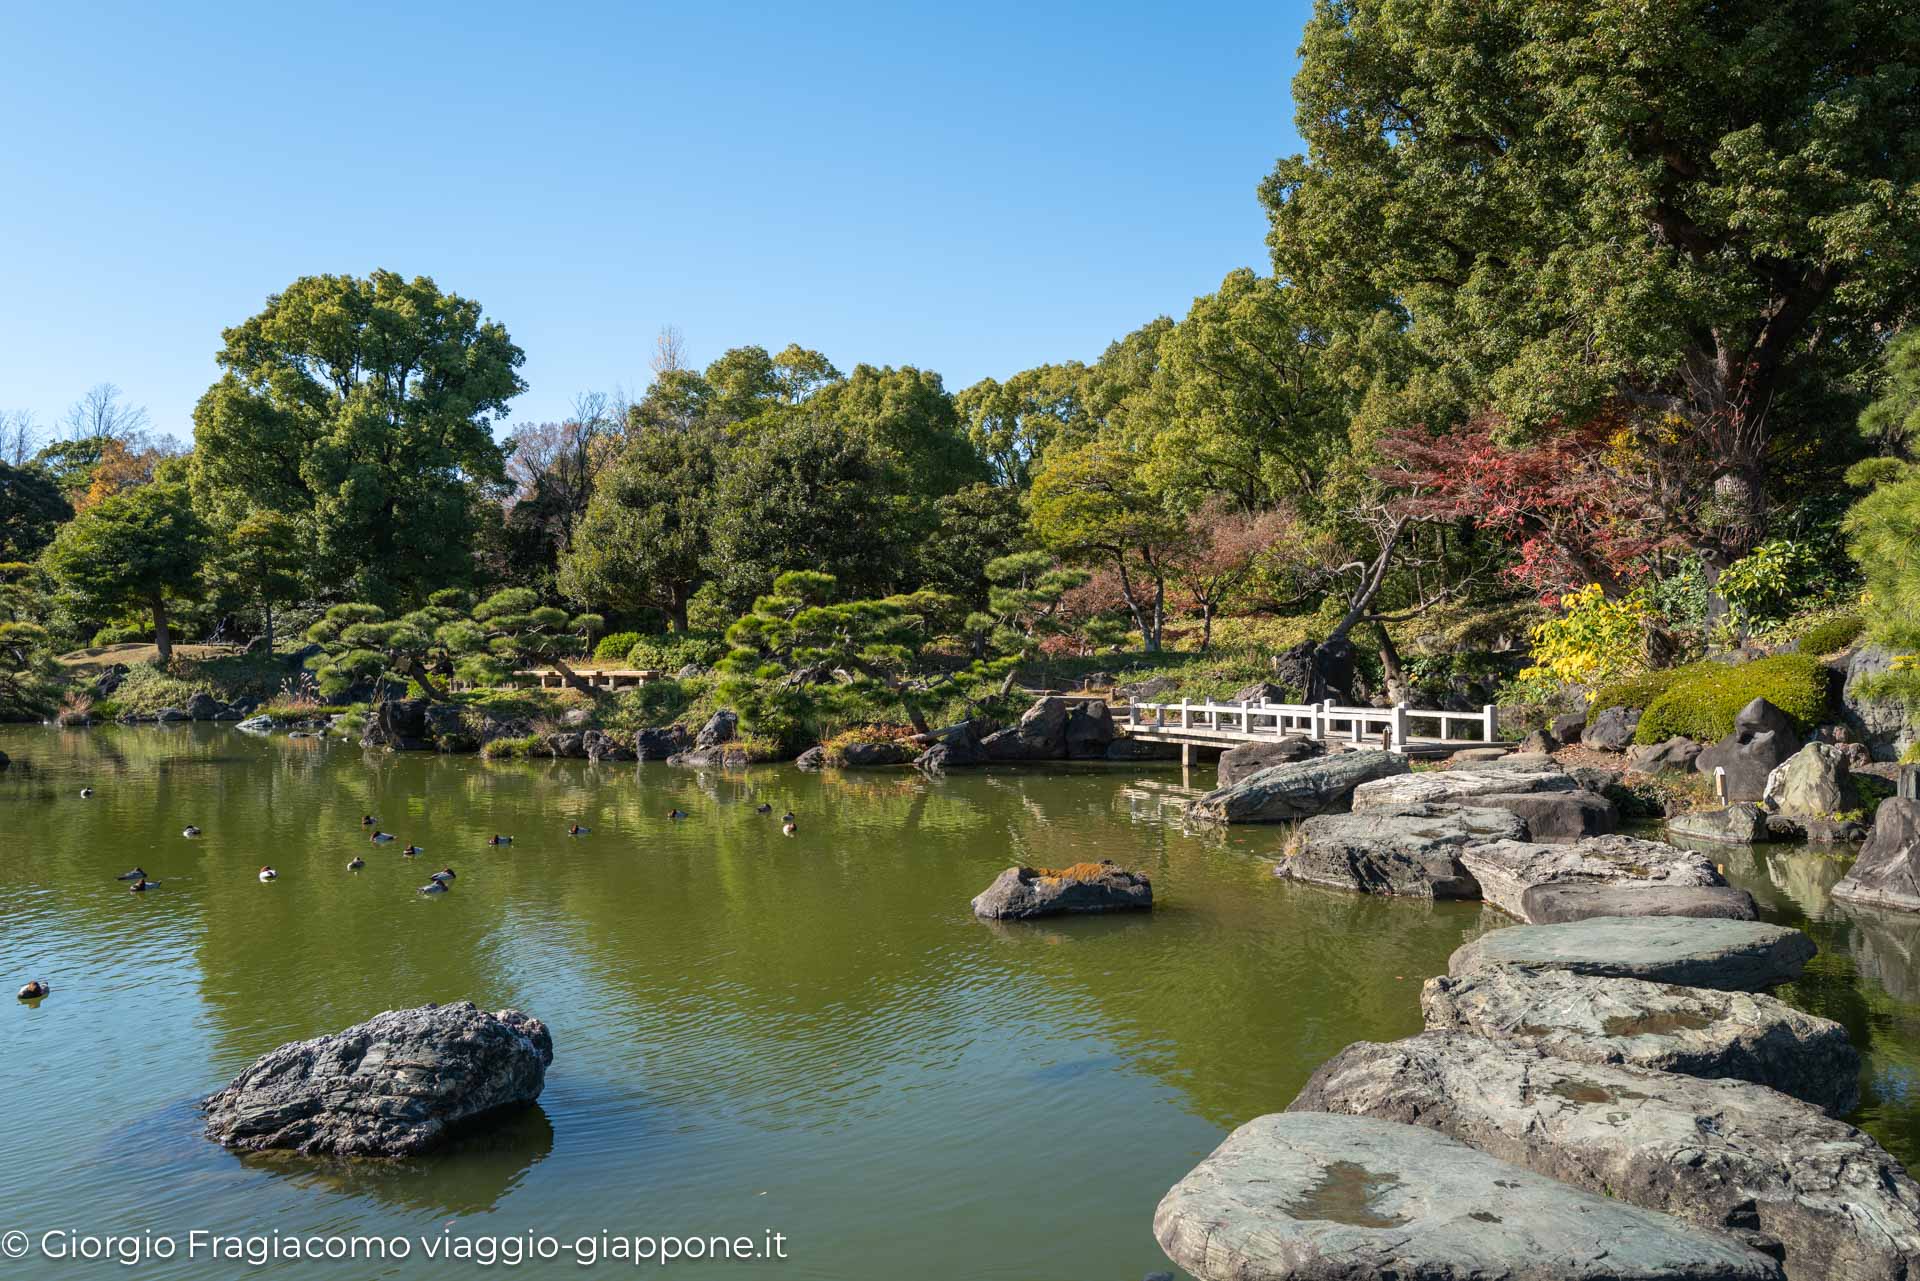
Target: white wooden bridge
(1408, 730)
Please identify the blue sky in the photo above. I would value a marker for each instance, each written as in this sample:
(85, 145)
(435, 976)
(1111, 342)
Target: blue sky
(970, 188)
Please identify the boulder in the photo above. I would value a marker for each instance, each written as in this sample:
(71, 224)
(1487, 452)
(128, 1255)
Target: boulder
(1815, 782)
(958, 746)
(1887, 873)
(1020, 893)
(1722, 1155)
(256, 724)
(660, 742)
(1742, 823)
(397, 1085)
(1282, 793)
(1463, 785)
(168, 714)
(1261, 692)
(1041, 734)
(1568, 726)
(1762, 717)
(1748, 757)
(1879, 723)
(1557, 817)
(720, 728)
(1139, 749)
(398, 725)
(812, 759)
(1411, 853)
(1737, 956)
(602, 746)
(1089, 730)
(1480, 755)
(1676, 754)
(1506, 870)
(719, 756)
(1248, 759)
(1555, 904)
(1611, 730)
(1741, 1036)
(204, 707)
(1146, 691)
(1304, 1196)
(875, 755)
(1539, 743)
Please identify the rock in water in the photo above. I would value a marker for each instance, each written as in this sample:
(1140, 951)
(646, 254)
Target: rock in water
(1089, 730)
(1725, 1156)
(1020, 893)
(1248, 759)
(1283, 793)
(1506, 870)
(1815, 782)
(1300, 1196)
(1584, 900)
(1742, 823)
(396, 1085)
(1692, 1030)
(1737, 956)
(1041, 734)
(1463, 786)
(1412, 852)
(1887, 873)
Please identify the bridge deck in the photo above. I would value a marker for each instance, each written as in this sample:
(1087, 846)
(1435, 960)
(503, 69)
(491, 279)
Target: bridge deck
(1213, 724)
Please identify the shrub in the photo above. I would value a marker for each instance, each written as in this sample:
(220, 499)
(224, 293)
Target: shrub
(118, 634)
(671, 651)
(1703, 699)
(1832, 635)
(614, 647)
(1635, 691)
(1764, 585)
(508, 749)
(1594, 639)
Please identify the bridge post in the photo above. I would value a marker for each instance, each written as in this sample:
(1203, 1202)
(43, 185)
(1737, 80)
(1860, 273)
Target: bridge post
(1313, 720)
(1400, 728)
(1246, 716)
(1185, 715)
(1490, 721)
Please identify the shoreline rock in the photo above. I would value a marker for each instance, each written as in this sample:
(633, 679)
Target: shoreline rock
(1508, 870)
(1887, 873)
(1412, 852)
(1740, 956)
(1281, 793)
(1022, 893)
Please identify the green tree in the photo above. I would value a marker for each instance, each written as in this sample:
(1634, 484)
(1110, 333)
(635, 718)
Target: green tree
(359, 643)
(1023, 609)
(1011, 423)
(1892, 420)
(972, 527)
(141, 548)
(1883, 535)
(27, 669)
(643, 543)
(363, 408)
(32, 507)
(908, 417)
(510, 630)
(1700, 215)
(263, 559)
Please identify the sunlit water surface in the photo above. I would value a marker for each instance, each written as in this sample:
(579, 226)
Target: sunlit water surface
(753, 1032)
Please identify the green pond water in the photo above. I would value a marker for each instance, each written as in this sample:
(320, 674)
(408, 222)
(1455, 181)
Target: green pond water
(808, 1034)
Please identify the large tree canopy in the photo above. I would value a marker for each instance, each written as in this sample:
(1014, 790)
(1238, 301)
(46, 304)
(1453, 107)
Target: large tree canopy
(138, 549)
(364, 407)
(31, 509)
(1698, 209)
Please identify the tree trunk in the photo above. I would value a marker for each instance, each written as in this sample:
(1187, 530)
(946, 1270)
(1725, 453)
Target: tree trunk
(162, 635)
(573, 679)
(420, 673)
(267, 609)
(1206, 625)
(1397, 690)
(677, 613)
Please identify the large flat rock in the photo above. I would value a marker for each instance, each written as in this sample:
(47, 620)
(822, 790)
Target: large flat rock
(1659, 1026)
(1554, 818)
(1461, 786)
(1739, 956)
(1412, 853)
(1583, 900)
(1726, 1156)
(1302, 789)
(1308, 1197)
(1506, 870)
(1248, 759)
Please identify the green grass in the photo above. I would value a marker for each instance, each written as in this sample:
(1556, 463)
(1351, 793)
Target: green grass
(510, 749)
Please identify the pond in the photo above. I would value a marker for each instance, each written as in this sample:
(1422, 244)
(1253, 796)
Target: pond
(753, 1032)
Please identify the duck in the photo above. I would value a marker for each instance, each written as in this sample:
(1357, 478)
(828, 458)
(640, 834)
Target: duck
(499, 840)
(412, 851)
(787, 817)
(676, 813)
(189, 830)
(137, 874)
(85, 792)
(35, 990)
(368, 820)
(434, 887)
(444, 874)
(764, 807)
(789, 827)
(379, 837)
(142, 885)
(268, 874)
(355, 863)
(577, 830)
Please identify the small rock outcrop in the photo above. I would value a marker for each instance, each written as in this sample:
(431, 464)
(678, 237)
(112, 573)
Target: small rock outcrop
(1306, 1196)
(1282, 793)
(1761, 741)
(1557, 818)
(1815, 782)
(1089, 730)
(398, 725)
(1248, 759)
(956, 747)
(713, 745)
(1611, 729)
(1879, 723)
(1410, 853)
(1722, 1155)
(1742, 823)
(397, 1085)
(1555, 904)
(1738, 956)
(1462, 786)
(1041, 734)
(1021, 893)
(659, 743)
(1887, 873)
(1676, 755)
(874, 755)
(1741, 1036)
(1506, 870)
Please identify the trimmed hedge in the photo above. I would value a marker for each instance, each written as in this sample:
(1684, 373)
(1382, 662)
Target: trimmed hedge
(1701, 699)
(671, 651)
(1635, 691)
(614, 646)
(1832, 635)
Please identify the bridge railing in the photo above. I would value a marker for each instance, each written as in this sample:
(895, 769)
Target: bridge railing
(1324, 720)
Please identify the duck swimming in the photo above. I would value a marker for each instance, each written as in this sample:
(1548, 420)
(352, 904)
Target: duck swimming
(577, 830)
(142, 885)
(35, 990)
(789, 827)
(499, 840)
(369, 821)
(434, 887)
(379, 837)
(85, 792)
(676, 813)
(763, 808)
(412, 851)
(355, 863)
(444, 874)
(137, 874)
(268, 874)
(189, 830)
(787, 817)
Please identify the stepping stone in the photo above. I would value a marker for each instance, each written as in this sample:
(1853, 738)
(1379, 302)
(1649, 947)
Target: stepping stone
(1725, 1156)
(1460, 786)
(1413, 853)
(1737, 956)
(1581, 900)
(1555, 818)
(1284, 793)
(1310, 1197)
(1506, 870)
(1692, 1030)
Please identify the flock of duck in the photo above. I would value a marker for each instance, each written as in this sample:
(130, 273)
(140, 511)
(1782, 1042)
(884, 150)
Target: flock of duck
(437, 883)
